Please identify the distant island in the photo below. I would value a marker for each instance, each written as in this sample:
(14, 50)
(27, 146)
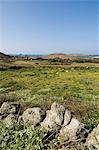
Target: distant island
(49, 56)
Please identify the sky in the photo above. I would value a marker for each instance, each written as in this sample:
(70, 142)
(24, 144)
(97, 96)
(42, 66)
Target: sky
(49, 26)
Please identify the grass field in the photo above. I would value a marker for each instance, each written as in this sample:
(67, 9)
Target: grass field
(75, 85)
(35, 84)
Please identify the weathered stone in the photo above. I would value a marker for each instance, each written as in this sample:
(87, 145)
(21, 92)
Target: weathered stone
(9, 108)
(33, 116)
(67, 117)
(93, 139)
(10, 120)
(70, 131)
(54, 117)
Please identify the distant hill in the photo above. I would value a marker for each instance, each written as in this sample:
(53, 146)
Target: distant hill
(5, 57)
(65, 56)
(50, 56)
(56, 55)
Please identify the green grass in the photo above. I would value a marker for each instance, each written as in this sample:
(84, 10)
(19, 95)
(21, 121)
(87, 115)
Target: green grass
(23, 138)
(39, 85)
(77, 88)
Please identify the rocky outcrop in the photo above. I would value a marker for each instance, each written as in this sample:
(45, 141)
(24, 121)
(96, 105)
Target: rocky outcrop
(92, 141)
(59, 119)
(33, 116)
(4, 56)
(54, 117)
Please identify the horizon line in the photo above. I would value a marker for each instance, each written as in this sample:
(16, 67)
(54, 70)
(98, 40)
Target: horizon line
(49, 53)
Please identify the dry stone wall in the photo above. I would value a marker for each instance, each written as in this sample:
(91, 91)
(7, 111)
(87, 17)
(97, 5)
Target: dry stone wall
(56, 120)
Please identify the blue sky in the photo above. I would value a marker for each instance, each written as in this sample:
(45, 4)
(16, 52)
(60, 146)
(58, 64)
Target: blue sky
(50, 26)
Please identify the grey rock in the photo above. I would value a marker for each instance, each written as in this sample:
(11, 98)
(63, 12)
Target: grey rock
(9, 108)
(67, 117)
(10, 120)
(54, 118)
(93, 139)
(69, 132)
(32, 116)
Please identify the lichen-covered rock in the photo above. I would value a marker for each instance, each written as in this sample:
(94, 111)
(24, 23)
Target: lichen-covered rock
(70, 131)
(67, 117)
(92, 141)
(54, 117)
(9, 108)
(10, 120)
(33, 116)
